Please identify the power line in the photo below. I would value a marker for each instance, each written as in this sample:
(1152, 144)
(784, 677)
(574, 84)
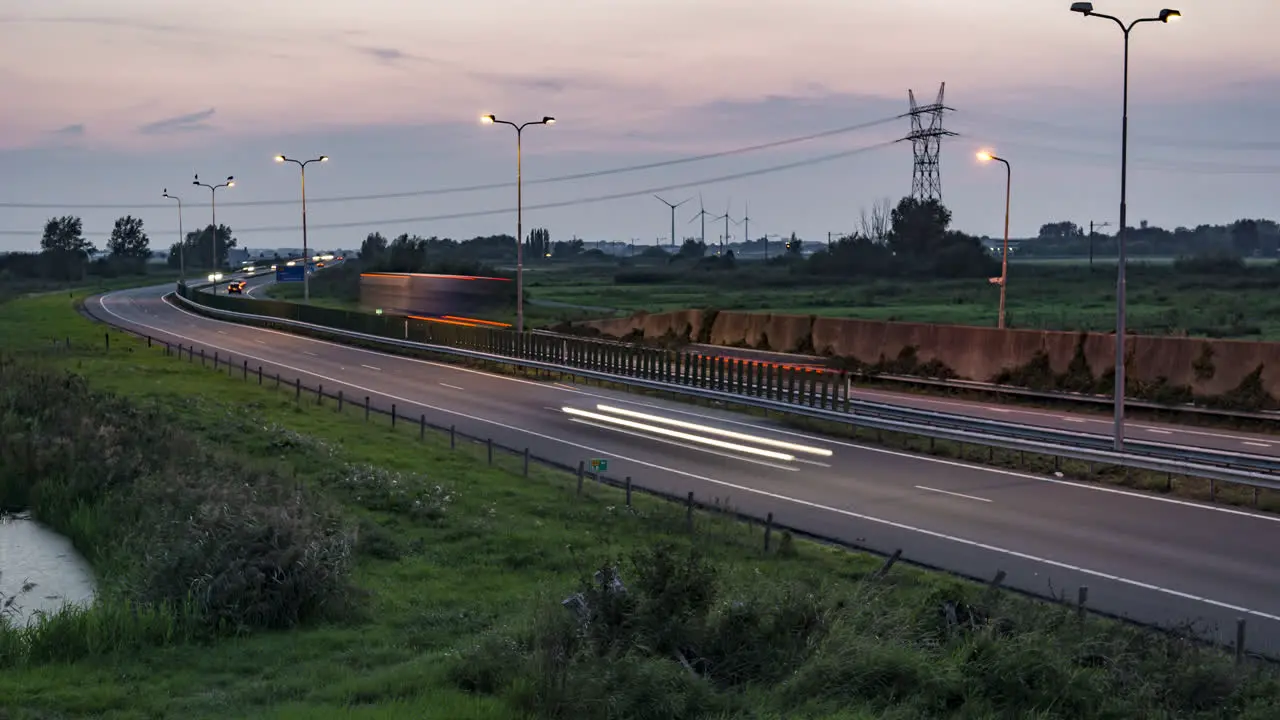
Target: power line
(491, 186)
(1104, 135)
(543, 206)
(1195, 167)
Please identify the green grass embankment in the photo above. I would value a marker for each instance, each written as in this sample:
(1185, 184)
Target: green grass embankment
(210, 508)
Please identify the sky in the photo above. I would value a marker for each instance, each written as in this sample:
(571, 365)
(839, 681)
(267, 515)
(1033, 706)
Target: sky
(109, 104)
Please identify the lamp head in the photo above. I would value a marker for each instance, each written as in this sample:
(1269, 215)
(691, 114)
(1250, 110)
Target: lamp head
(280, 158)
(984, 155)
(549, 120)
(488, 119)
(1168, 15)
(324, 158)
(1084, 8)
(166, 193)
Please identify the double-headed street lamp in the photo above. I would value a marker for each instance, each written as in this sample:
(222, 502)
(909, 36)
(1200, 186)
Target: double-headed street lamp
(1166, 15)
(1004, 255)
(546, 120)
(213, 206)
(306, 254)
(182, 240)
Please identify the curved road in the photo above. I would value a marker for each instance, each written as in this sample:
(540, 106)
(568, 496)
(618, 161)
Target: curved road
(1155, 559)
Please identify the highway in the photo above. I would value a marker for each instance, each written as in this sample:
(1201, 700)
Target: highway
(1152, 558)
(1086, 422)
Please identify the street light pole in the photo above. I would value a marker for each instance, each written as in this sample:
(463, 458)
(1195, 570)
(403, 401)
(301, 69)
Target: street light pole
(213, 207)
(306, 254)
(546, 120)
(182, 240)
(1086, 9)
(1004, 256)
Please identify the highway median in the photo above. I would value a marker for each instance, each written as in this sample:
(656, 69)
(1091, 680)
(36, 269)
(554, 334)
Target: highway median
(480, 586)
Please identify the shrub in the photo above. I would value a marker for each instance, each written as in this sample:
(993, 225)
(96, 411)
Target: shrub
(171, 523)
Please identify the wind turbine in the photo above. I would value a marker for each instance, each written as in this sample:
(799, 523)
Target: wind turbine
(673, 216)
(726, 219)
(746, 223)
(702, 213)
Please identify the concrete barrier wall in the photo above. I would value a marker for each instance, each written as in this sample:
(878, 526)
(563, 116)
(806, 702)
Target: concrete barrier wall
(975, 353)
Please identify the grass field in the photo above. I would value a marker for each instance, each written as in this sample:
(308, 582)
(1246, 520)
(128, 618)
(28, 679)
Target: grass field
(458, 570)
(1064, 296)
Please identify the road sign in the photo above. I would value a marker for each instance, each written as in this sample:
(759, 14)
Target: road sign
(289, 273)
(599, 465)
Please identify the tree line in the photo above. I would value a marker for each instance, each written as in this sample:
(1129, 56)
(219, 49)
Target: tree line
(1243, 238)
(65, 254)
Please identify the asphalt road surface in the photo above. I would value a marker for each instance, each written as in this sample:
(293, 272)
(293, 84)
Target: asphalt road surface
(1155, 559)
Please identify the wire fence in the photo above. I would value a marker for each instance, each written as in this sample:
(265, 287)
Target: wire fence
(771, 533)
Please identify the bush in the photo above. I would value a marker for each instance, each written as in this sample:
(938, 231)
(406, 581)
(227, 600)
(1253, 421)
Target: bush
(170, 523)
(664, 636)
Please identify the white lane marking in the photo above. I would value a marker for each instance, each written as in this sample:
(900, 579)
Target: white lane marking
(766, 493)
(371, 367)
(578, 391)
(1074, 420)
(259, 342)
(633, 433)
(220, 332)
(455, 387)
(1256, 444)
(953, 463)
(812, 462)
(1159, 432)
(954, 494)
(307, 352)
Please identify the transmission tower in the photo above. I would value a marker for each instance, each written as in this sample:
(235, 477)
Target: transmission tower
(926, 146)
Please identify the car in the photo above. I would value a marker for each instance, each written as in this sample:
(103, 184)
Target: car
(236, 287)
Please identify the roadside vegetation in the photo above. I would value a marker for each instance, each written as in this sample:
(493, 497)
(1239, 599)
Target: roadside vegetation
(261, 557)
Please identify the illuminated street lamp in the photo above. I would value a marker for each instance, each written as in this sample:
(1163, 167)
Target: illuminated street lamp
(546, 120)
(1165, 16)
(213, 206)
(985, 156)
(302, 165)
(182, 240)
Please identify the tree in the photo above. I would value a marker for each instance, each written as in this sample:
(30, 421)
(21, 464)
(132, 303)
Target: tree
(875, 226)
(63, 248)
(1246, 239)
(917, 228)
(539, 243)
(129, 240)
(1061, 231)
(373, 247)
(199, 247)
(692, 248)
(65, 235)
(794, 245)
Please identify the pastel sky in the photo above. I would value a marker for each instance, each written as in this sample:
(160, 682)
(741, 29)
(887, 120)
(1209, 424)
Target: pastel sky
(110, 102)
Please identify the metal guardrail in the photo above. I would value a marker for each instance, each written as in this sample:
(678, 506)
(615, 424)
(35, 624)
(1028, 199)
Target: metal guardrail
(1183, 461)
(970, 385)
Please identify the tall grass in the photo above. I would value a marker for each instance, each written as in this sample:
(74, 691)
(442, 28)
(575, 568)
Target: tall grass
(187, 541)
(670, 636)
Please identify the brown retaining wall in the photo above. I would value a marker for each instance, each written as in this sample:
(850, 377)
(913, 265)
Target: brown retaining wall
(973, 353)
